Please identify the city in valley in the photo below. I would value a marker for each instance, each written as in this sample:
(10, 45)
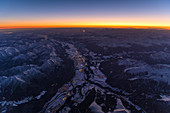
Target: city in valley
(87, 70)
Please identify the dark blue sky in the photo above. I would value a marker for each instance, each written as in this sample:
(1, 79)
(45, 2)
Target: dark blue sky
(70, 9)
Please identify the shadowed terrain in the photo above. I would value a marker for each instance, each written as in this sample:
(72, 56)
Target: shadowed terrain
(85, 71)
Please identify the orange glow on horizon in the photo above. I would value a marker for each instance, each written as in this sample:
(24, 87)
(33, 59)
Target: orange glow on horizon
(86, 22)
(88, 26)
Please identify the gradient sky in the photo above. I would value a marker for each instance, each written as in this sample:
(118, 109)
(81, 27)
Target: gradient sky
(84, 12)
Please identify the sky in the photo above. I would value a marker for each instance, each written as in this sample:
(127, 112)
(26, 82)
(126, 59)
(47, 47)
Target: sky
(27, 13)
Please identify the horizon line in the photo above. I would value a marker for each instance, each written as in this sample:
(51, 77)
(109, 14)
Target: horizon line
(87, 26)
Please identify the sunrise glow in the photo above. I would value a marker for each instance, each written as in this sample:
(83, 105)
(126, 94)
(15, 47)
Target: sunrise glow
(96, 13)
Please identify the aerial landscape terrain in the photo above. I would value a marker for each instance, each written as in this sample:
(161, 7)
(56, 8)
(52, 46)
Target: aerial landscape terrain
(84, 56)
(90, 70)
